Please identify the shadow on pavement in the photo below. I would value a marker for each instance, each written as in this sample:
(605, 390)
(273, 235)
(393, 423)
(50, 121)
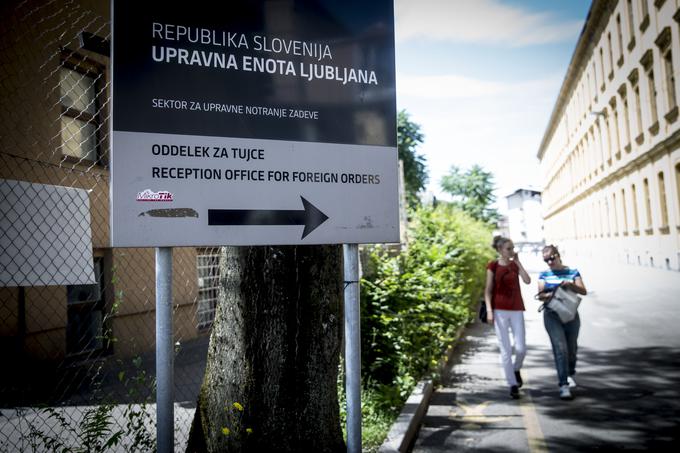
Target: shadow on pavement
(626, 399)
(472, 411)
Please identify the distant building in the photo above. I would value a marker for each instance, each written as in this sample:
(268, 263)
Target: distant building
(525, 219)
(502, 227)
(610, 156)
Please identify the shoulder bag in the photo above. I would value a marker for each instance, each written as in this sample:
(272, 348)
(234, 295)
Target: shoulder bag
(482, 311)
(564, 302)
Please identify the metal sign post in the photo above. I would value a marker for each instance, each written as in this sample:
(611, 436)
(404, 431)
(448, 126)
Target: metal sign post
(165, 409)
(352, 347)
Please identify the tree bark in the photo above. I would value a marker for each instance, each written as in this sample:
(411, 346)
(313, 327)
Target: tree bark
(274, 351)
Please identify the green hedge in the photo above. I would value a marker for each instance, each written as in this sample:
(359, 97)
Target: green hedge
(413, 304)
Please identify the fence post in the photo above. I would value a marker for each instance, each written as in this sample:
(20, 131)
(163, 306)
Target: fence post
(164, 352)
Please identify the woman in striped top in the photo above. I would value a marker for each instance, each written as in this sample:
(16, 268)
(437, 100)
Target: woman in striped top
(563, 337)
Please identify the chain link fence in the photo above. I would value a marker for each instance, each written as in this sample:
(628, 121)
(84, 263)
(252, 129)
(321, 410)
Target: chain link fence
(77, 321)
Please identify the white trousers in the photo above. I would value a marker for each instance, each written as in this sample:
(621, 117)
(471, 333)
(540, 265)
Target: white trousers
(504, 322)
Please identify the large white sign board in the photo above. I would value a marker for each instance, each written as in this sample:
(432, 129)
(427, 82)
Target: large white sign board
(267, 123)
(45, 235)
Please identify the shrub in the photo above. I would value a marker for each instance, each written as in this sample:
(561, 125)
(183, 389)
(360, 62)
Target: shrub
(414, 303)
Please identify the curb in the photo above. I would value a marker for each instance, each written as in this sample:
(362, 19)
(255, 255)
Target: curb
(404, 430)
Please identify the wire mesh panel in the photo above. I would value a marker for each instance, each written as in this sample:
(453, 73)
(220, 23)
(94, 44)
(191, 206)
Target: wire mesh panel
(208, 265)
(77, 320)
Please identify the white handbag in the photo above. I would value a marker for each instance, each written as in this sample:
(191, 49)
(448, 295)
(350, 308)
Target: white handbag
(565, 303)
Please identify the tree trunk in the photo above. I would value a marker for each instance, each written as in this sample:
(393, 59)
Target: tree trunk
(274, 353)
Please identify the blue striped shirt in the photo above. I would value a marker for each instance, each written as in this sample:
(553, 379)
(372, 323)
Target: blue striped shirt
(553, 278)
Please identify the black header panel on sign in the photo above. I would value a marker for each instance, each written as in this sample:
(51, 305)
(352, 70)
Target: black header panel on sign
(314, 71)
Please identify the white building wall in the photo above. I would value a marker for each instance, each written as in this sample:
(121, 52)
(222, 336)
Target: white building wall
(598, 146)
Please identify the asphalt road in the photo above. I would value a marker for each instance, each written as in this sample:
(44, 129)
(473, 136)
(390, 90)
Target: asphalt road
(628, 376)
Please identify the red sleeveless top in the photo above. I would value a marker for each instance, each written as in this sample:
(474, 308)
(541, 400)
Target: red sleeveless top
(506, 294)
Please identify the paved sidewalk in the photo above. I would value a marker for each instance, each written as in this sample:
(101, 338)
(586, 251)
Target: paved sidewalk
(473, 411)
(629, 323)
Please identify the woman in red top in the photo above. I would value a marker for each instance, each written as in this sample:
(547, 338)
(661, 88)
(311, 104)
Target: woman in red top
(505, 308)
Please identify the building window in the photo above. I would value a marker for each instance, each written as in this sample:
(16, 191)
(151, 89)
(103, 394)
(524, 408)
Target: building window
(600, 217)
(663, 204)
(635, 87)
(652, 100)
(644, 15)
(600, 146)
(664, 43)
(85, 315)
(208, 267)
(81, 126)
(617, 139)
(631, 24)
(626, 116)
(638, 109)
(590, 143)
(619, 35)
(648, 206)
(611, 56)
(602, 68)
(609, 137)
(624, 211)
(593, 220)
(670, 80)
(648, 63)
(615, 216)
(607, 217)
(636, 216)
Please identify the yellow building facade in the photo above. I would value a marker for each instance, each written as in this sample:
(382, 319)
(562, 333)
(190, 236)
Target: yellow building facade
(610, 156)
(54, 131)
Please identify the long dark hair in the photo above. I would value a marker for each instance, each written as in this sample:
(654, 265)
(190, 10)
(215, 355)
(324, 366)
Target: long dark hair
(498, 242)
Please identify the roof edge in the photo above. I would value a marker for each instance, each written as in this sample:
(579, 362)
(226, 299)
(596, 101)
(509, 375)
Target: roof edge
(590, 33)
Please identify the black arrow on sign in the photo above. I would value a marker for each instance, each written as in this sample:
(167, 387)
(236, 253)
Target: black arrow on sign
(310, 217)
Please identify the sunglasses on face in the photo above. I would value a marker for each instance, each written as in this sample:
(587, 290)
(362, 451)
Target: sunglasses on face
(550, 259)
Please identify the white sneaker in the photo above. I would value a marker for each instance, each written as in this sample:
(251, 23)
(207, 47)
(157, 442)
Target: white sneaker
(571, 381)
(565, 393)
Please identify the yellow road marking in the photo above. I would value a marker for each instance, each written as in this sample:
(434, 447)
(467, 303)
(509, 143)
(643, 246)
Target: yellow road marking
(535, 436)
(473, 417)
